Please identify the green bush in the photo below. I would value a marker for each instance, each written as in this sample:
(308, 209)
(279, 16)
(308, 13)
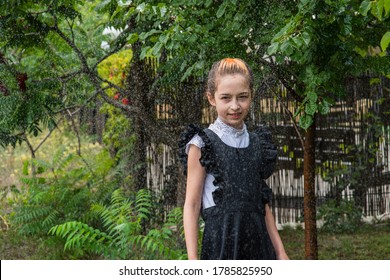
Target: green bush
(340, 216)
(126, 230)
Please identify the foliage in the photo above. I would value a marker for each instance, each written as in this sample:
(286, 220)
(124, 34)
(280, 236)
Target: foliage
(123, 222)
(380, 9)
(38, 69)
(360, 161)
(324, 42)
(116, 135)
(340, 216)
(193, 34)
(63, 190)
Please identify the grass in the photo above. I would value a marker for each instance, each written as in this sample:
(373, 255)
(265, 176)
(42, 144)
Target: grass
(16, 247)
(370, 242)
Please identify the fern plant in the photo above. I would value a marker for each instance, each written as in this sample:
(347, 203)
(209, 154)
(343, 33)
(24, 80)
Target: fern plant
(127, 231)
(165, 242)
(63, 191)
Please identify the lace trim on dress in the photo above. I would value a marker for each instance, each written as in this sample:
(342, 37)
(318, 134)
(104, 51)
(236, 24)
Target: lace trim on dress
(228, 129)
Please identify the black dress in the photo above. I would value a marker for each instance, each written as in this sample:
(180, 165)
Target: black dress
(235, 228)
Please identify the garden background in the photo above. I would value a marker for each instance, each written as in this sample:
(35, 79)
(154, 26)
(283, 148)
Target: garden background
(94, 95)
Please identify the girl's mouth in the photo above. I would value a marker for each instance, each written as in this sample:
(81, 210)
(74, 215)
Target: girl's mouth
(235, 116)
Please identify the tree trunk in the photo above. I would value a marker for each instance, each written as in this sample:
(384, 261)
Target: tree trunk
(140, 171)
(309, 200)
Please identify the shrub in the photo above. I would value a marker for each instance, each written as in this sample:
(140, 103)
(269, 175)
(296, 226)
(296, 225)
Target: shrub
(340, 216)
(126, 233)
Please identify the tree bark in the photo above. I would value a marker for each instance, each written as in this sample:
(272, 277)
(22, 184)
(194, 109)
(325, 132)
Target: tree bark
(309, 200)
(140, 144)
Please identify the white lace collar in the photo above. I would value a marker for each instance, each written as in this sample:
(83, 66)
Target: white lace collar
(228, 130)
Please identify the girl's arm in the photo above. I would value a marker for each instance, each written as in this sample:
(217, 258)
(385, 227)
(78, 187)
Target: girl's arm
(195, 180)
(274, 235)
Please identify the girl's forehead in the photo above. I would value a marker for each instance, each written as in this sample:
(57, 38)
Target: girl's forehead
(232, 83)
(233, 78)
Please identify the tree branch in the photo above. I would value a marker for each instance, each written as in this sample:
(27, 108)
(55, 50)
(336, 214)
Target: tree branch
(79, 143)
(282, 77)
(296, 127)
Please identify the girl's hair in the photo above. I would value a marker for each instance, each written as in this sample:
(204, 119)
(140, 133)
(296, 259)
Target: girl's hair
(228, 66)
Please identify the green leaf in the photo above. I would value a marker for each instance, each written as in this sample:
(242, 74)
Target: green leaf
(156, 49)
(221, 10)
(298, 111)
(141, 7)
(365, 7)
(285, 47)
(132, 38)
(306, 38)
(25, 167)
(312, 96)
(273, 48)
(385, 40)
(208, 3)
(324, 107)
(164, 38)
(387, 7)
(145, 51)
(187, 73)
(360, 51)
(298, 41)
(311, 108)
(305, 121)
(375, 81)
(377, 9)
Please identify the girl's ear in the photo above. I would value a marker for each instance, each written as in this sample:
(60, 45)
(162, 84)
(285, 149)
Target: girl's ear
(211, 99)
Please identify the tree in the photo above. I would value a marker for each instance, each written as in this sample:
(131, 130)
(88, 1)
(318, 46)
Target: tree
(324, 43)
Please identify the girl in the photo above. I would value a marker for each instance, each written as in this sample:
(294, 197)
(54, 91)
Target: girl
(226, 168)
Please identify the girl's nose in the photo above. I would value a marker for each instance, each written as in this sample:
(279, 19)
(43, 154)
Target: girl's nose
(235, 105)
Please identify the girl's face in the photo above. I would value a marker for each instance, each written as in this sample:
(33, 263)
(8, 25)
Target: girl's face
(231, 99)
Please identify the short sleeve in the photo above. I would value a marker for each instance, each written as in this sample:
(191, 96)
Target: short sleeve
(197, 141)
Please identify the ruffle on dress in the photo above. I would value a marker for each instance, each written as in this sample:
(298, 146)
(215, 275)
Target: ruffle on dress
(269, 155)
(207, 159)
(266, 194)
(269, 151)
(184, 138)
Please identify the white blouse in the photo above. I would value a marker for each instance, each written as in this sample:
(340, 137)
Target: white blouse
(237, 138)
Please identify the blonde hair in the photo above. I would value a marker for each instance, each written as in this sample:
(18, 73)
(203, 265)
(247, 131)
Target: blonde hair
(228, 66)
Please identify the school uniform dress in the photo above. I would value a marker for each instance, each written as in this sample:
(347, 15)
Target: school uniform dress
(237, 162)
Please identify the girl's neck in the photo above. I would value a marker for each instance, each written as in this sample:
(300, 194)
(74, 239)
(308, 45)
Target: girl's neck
(226, 126)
